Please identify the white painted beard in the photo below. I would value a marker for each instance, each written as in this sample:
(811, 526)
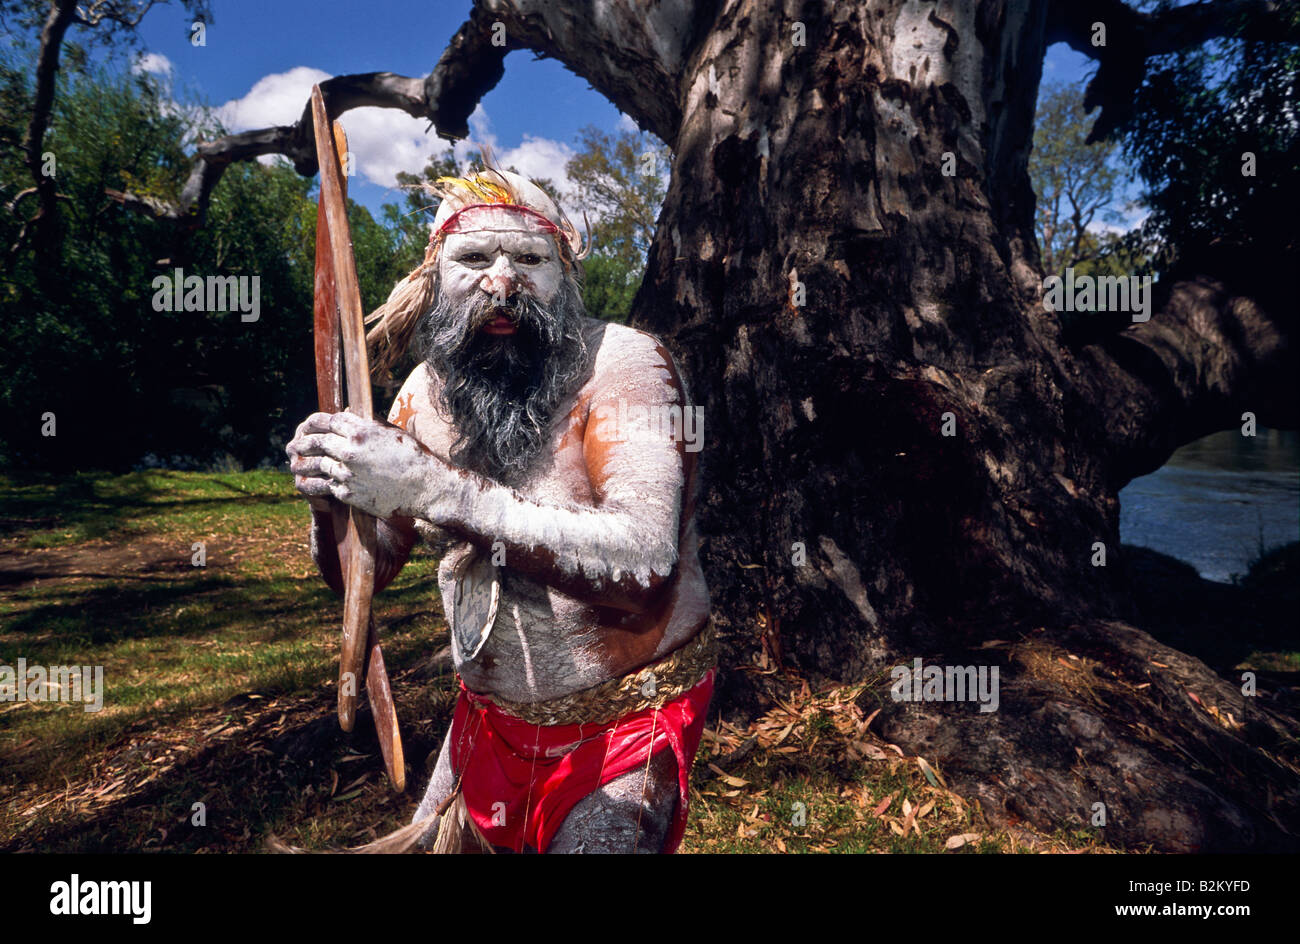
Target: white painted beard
(501, 391)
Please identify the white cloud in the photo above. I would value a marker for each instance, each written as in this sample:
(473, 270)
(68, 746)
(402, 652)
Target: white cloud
(383, 141)
(1131, 218)
(155, 63)
(540, 157)
(1099, 228)
(276, 99)
(625, 123)
(533, 157)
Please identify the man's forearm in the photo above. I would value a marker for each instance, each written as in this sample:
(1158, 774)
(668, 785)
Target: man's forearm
(606, 556)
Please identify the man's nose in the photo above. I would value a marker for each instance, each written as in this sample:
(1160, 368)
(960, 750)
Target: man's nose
(499, 281)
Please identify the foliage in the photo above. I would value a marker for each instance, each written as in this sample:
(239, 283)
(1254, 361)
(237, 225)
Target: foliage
(609, 285)
(1075, 181)
(1198, 114)
(621, 180)
(126, 381)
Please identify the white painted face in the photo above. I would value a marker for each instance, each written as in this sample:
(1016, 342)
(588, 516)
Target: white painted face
(500, 262)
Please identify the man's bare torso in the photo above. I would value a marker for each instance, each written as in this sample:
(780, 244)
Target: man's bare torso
(545, 643)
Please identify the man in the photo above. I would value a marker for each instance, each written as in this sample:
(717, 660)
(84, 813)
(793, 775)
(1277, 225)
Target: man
(554, 453)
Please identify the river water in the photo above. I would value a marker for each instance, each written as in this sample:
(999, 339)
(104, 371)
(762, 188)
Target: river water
(1216, 500)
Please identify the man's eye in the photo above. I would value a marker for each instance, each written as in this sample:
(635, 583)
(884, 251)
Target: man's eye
(472, 258)
(530, 259)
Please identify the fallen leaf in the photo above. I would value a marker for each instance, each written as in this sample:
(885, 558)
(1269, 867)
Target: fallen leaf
(909, 818)
(884, 805)
(867, 750)
(356, 783)
(727, 778)
(956, 842)
(931, 774)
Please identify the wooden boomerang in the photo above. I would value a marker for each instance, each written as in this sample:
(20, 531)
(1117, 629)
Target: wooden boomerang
(338, 317)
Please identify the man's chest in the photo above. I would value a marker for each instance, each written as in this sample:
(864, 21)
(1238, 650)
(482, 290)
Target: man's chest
(557, 474)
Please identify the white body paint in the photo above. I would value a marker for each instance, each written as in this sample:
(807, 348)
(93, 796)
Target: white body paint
(545, 643)
(491, 259)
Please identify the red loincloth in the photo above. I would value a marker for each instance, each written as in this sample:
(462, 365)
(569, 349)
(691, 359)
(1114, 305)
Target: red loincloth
(540, 771)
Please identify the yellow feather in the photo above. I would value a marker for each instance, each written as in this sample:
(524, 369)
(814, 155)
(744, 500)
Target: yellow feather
(479, 186)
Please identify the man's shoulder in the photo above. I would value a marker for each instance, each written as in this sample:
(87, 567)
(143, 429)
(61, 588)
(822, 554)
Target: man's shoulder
(417, 379)
(414, 398)
(620, 348)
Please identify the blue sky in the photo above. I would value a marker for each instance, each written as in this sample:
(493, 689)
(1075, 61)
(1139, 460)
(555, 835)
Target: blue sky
(262, 57)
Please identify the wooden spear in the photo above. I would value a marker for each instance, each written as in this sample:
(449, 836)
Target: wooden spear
(339, 318)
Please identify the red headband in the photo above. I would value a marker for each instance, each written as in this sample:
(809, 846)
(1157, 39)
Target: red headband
(452, 223)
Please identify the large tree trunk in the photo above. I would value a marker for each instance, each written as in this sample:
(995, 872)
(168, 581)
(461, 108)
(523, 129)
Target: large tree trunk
(821, 167)
(835, 296)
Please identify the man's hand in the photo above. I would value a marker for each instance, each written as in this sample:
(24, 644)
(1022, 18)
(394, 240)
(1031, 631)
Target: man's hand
(315, 490)
(379, 469)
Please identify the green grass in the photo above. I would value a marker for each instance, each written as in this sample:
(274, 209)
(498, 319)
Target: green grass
(56, 511)
(173, 639)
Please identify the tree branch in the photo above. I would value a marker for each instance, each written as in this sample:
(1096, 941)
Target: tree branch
(631, 55)
(45, 223)
(1133, 37)
(468, 69)
(296, 142)
(1210, 354)
(631, 52)
(128, 14)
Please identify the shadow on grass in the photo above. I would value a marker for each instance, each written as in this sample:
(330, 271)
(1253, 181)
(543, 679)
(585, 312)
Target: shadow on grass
(102, 615)
(96, 506)
(283, 770)
(281, 764)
